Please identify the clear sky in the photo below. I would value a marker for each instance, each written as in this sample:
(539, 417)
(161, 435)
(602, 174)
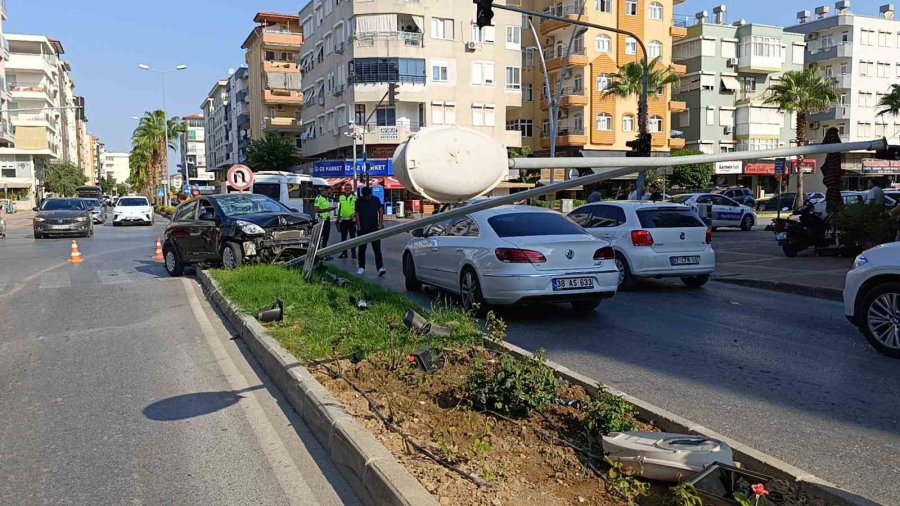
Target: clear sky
(106, 39)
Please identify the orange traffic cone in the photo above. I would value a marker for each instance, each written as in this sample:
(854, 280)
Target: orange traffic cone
(159, 256)
(75, 257)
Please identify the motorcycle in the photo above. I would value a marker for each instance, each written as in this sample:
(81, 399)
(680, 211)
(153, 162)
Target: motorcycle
(809, 230)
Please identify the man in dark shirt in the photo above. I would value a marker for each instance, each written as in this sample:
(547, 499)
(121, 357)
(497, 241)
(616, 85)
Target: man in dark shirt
(369, 218)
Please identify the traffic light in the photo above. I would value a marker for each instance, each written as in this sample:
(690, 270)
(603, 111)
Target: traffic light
(392, 94)
(891, 153)
(484, 12)
(640, 147)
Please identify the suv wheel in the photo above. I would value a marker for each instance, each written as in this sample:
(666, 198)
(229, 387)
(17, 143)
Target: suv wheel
(879, 315)
(174, 266)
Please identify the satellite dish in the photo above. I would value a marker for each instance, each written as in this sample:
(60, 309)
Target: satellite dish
(449, 164)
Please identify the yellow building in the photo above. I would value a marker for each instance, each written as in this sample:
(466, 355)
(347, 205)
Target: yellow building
(591, 124)
(273, 50)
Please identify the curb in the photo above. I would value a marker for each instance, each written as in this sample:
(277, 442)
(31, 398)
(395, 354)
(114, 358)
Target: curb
(667, 421)
(370, 469)
(817, 292)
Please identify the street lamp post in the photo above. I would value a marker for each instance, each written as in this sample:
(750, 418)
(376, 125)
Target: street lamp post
(163, 73)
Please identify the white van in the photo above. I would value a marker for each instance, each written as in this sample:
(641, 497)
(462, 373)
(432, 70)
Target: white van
(296, 191)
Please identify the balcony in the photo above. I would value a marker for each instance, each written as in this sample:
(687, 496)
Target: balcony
(282, 97)
(659, 139)
(760, 64)
(565, 137)
(7, 132)
(677, 143)
(843, 81)
(280, 66)
(677, 106)
(4, 48)
(568, 11)
(273, 38)
(678, 68)
(678, 30)
(842, 50)
(30, 92)
(368, 39)
(282, 123)
(555, 58)
(35, 62)
(570, 97)
(838, 113)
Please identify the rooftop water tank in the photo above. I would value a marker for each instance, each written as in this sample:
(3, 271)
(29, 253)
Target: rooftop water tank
(450, 164)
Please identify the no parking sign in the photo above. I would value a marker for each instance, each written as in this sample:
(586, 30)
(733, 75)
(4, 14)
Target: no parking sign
(240, 177)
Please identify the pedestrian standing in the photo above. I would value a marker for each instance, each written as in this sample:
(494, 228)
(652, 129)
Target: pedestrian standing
(369, 218)
(323, 214)
(347, 216)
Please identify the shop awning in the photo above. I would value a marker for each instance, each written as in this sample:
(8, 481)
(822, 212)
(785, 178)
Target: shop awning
(392, 183)
(374, 181)
(19, 185)
(337, 181)
(730, 83)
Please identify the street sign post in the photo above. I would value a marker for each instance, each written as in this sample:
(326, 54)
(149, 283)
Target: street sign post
(161, 193)
(186, 189)
(240, 177)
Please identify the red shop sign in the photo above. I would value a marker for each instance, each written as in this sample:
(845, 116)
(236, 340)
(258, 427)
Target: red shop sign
(760, 169)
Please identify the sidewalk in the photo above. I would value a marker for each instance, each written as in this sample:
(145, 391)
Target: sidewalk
(755, 259)
(21, 219)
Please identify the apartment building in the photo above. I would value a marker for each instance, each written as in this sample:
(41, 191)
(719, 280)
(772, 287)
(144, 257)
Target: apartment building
(862, 54)
(81, 139)
(729, 68)
(591, 124)
(448, 70)
(216, 130)
(115, 166)
(7, 138)
(194, 147)
(95, 151)
(273, 78)
(239, 97)
(68, 114)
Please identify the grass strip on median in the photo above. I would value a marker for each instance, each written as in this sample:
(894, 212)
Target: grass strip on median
(320, 321)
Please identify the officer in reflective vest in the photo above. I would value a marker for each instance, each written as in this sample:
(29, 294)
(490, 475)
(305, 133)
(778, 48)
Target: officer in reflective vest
(347, 216)
(323, 213)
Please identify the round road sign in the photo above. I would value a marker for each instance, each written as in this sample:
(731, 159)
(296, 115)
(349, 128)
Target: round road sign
(240, 177)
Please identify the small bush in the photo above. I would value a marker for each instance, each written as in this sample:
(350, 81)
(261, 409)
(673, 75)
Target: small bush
(624, 483)
(605, 413)
(514, 386)
(862, 224)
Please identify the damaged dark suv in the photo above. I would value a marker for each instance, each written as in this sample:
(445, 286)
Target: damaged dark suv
(232, 230)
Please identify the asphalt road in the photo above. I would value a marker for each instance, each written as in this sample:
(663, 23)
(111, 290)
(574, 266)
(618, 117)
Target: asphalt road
(785, 374)
(119, 385)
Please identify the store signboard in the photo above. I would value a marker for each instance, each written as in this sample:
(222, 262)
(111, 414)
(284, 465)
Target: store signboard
(880, 167)
(725, 168)
(760, 169)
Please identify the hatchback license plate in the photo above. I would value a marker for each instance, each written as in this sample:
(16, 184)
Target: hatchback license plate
(684, 260)
(573, 284)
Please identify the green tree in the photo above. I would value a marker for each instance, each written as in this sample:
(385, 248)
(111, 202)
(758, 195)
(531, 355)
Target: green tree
(149, 157)
(272, 152)
(890, 103)
(628, 82)
(107, 185)
(803, 92)
(121, 189)
(63, 178)
(694, 176)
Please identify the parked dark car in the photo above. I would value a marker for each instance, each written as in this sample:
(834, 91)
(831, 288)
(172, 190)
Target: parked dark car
(740, 195)
(63, 216)
(231, 230)
(786, 200)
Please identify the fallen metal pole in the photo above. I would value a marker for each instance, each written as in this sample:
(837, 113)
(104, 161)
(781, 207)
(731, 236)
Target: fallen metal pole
(626, 166)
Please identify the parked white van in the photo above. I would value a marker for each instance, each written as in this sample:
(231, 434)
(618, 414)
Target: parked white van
(296, 191)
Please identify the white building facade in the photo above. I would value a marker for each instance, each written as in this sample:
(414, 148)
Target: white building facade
(217, 125)
(115, 167)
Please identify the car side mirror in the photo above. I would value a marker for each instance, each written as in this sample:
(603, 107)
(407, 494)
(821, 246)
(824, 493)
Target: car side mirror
(419, 232)
(35, 209)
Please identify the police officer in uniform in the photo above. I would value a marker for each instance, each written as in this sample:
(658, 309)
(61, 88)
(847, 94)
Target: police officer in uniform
(323, 213)
(347, 216)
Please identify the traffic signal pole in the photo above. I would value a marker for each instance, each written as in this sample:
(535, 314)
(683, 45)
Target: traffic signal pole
(391, 97)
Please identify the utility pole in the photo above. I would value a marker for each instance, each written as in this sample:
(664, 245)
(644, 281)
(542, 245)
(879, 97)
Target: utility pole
(143, 66)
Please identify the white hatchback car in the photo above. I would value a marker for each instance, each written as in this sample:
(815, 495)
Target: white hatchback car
(652, 240)
(725, 212)
(510, 255)
(133, 209)
(872, 297)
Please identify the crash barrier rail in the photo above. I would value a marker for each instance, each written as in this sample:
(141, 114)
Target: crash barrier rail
(618, 167)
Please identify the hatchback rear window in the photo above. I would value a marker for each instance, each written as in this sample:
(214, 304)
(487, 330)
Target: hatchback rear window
(668, 218)
(533, 224)
(131, 202)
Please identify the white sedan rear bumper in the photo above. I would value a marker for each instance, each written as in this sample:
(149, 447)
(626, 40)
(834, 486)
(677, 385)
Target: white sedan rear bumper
(508, 289)
(646, 263)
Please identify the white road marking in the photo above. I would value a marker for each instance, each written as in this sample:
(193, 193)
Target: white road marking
(289, 476)
(55, 280)
(113, 277)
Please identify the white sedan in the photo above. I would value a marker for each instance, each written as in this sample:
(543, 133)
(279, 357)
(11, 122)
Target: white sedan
(510, 255)
(133, 209)
(652, 240)
(872, 297)
(725, 212)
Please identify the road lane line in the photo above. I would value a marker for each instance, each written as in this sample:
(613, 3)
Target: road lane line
(113, 277)
(55, 280)
(283, 466)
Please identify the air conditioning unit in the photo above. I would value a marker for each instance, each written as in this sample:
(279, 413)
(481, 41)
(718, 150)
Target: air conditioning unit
(814, 125)
(732, 62)
(729, 130)
(339, 48)
(470, 46)
(812, 36)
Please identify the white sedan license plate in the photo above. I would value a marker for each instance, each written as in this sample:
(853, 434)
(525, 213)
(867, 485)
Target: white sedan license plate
(693, 260)
(573, 284)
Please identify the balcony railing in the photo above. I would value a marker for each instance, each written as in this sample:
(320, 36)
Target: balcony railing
(558, 52)
(566, 92)
(563, 132)
(386, 77)
(33, 89)
(367, 39)
(25, 116)
(564, 10)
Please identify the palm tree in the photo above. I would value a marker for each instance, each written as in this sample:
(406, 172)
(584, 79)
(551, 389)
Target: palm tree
(628, 83)
(890, 103)
(149, 153)
(803, 92)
